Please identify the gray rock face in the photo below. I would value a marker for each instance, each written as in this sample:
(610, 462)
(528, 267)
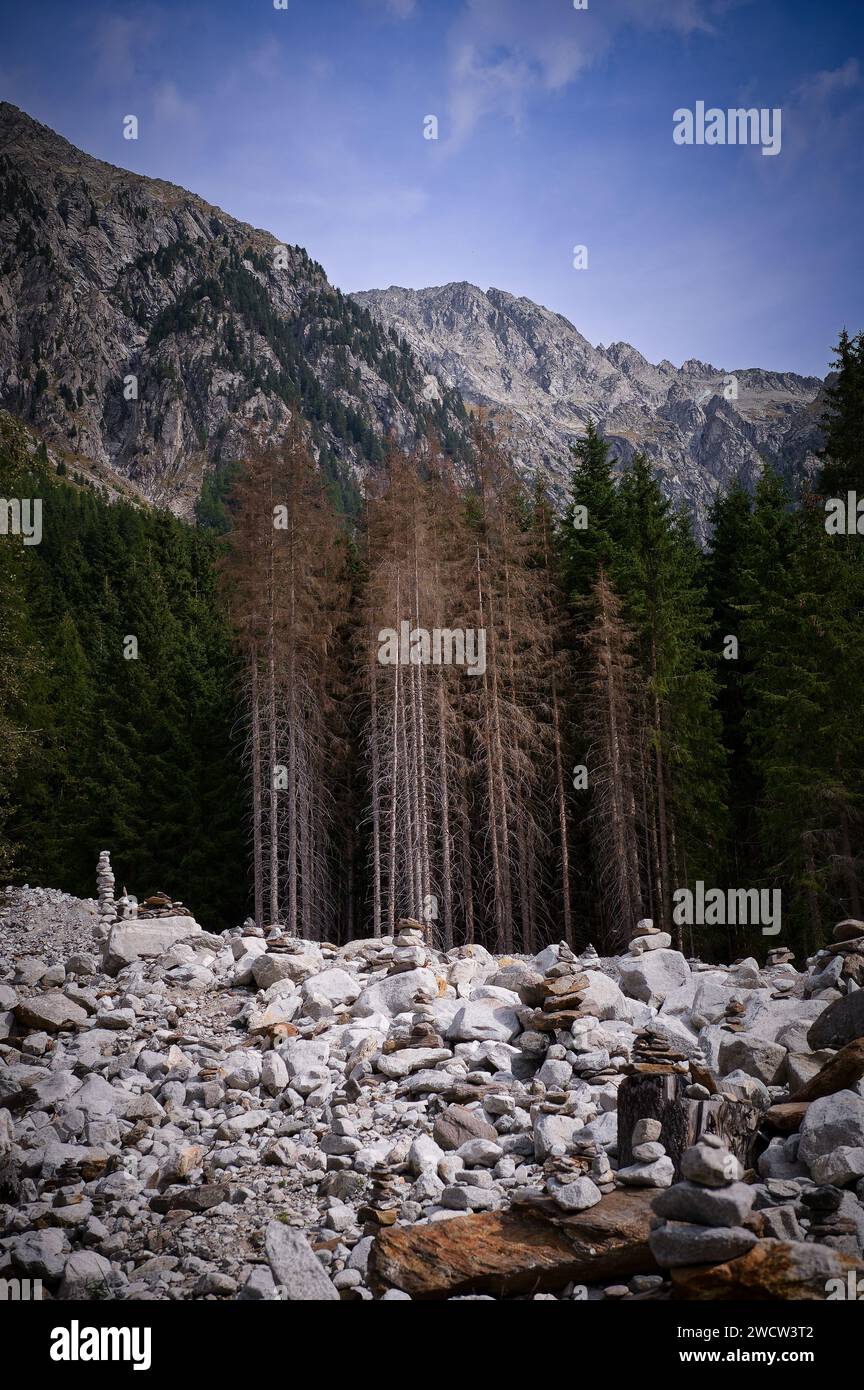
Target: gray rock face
(830, 1123)
(754, 1055)
(840, 1023)
(542, 382)
(138, 253)
(651, 977)
(295, 1268)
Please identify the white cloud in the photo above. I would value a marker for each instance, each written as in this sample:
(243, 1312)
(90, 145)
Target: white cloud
(503, 51)
(118, 43)
(399, 9)
(822, 86)
(171, 108)
(824, 113)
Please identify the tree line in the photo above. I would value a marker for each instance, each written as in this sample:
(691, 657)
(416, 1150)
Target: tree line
(465, 706)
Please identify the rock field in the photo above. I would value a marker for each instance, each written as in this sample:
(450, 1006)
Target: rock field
(253, 1116)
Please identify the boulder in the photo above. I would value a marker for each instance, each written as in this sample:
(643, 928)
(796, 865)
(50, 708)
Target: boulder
(682, 1243)
(268, 970)
(603, 998)
(144, 938)
(396, 994)
(295, 1269)
(482, 1021)
(839, 1073)
(831, 1122)
(456, 1125)
(553, 1133)
(848, 930)
(839, 1167)
(335, 984)
(41, 1254)
(85, 1277)
(578, 1195)
(707, 1206)
(515, 1251)
(773, 1270)
(50, 1012)
(754, 1055)
(649, 978)
(840, 1023)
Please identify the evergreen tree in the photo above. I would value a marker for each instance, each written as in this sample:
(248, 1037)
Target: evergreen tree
(843, 455)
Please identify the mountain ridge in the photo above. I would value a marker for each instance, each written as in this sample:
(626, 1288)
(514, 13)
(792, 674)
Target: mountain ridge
(146, 329)
(143, 327)
(542, 381)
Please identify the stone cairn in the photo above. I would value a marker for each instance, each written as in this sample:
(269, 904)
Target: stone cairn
(160, 905)
(647, 937)
(127, 907)
(409, 947)
(654, 1052)
(832, 1216)
(652, 1167)
(105, 893)
(700, 1220)
(578, 1180)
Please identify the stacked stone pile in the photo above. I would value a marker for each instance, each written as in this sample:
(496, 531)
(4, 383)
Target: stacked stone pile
(160, 905)
(105, 895)
(702, 1217)
(647, 937)
(652, 1167)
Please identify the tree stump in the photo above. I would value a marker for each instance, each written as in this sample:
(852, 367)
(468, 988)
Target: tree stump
(661, 1097)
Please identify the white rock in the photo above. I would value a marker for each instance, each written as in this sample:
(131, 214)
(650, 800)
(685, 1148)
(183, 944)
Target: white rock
(651, 977)
(396, 994)
(483, 1022)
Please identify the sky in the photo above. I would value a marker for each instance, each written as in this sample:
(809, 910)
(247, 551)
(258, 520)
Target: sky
(554, 130)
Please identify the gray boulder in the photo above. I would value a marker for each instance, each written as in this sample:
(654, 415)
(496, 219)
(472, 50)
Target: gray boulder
(680, 1243)
(294, 1267)
(651, 977)
(840, 1023)
(830, 1123)
(754, 1055)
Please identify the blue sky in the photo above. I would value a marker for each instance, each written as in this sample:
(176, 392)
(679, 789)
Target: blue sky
(555, 129)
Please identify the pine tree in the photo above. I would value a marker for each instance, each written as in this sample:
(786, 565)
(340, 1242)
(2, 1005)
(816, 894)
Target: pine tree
(843, 420)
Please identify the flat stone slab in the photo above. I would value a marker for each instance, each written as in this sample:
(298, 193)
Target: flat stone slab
(841, 1073)
(516, 1251)
(146, 938)
(50, 1012)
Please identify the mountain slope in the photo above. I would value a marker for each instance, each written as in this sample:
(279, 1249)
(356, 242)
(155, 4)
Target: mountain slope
(145, 330)
(106, 276)
(542, 381)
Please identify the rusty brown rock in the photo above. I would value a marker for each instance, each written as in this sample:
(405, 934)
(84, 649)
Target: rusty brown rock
(773, 1271)
(566, 985)
(786, 1117)
(515, 1251)
(841, 1073)
(848, 930)
(853, 969)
